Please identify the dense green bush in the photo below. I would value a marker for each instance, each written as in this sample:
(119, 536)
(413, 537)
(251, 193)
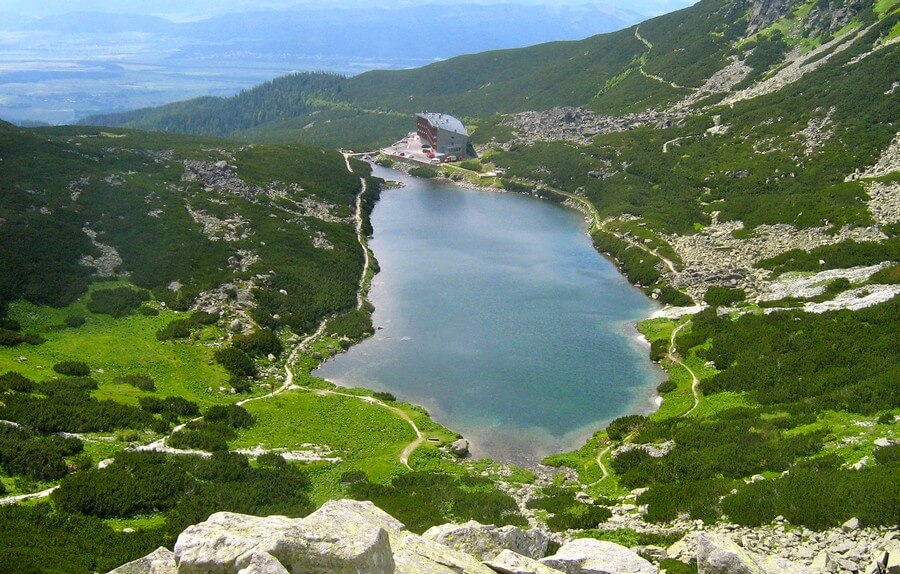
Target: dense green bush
(259, 343)
(142, 382)
(623, 426)
(118, 302)
(203, 435)
(10, 338)
(186, 488)
(870, 494)
(75, 321)
(566, 512)
(13, 381)
(355, 325)
(232, 415)
(384, 396)
(422, 171)
(72, 368)
(170, 405)
(659, 350)
(843, 360)
(69, 407)
(421, 500)
(38, 539)
(236, 362)
(666, 386)
(723, 296)
(271, 459)
(835, 256)
(176, 329)
(37, 457)
(697, 499)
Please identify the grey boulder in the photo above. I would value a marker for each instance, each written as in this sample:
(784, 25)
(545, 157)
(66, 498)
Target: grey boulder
(414, 554)
(160, 561)
(486, 541)
(225, 542)
(590, 556)
(508, 562)
(342, 537)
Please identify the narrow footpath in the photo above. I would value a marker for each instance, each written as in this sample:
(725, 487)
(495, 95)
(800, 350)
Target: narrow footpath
(676, 359)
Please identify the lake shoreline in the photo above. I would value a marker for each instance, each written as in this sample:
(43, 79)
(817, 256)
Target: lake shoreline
(645, 399)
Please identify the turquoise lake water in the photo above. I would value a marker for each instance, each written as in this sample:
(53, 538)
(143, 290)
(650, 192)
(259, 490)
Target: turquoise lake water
(497, 315)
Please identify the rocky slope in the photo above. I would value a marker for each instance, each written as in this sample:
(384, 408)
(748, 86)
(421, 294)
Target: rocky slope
(347, 536)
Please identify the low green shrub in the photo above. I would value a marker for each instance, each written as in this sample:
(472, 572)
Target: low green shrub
(566, 511)
(117, 302)
(719, 296)
(259, 343)
(170, 405)
(142, 382)
(424, 499)
(75, 321)
(422, 171)
(232, 415)
(623, 426)
(72, 368)
(236, 362)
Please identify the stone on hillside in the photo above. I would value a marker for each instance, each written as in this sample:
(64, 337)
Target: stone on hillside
(414, 554)
(486, 541)
(264, 563)
(823, 562)
(160, 561)
(342, 537)
(460, 448)
(508, 562)
(223, 544)
(590, 556)
(719, 555)
(850, 525)
(892, 560)
(651, 553)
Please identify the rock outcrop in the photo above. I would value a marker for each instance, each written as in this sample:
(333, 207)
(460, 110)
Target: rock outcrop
(486, 541)
(160, 561)
(589, 556)
(349, 536)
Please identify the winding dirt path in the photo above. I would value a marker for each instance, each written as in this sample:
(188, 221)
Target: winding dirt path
(408, 450)
(599, 225)
(673, 356)
(646, 74)
(23, 497)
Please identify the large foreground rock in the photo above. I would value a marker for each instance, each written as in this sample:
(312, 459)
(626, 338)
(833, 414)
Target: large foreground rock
(342, 537)
(160, 561)
(486, 541)
(590, 556)
(226, 541)
(508, 562)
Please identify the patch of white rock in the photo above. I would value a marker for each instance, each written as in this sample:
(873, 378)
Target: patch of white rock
(353, 537)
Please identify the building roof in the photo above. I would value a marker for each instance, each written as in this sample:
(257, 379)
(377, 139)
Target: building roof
(445, 122)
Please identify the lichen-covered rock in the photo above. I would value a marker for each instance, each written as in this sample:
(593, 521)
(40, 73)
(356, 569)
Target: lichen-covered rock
(264, 563)
(342, 537)
(508, 562)
(160, 561)
(486, 541)
(590, 556)
(416, 555)
(225, 542)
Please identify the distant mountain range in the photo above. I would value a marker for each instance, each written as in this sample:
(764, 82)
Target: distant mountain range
(134, 61)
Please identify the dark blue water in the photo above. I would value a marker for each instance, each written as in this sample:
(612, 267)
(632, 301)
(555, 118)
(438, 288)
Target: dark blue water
(501, 319)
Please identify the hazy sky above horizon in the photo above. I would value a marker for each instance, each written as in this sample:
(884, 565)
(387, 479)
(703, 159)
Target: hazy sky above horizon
(198, 9)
